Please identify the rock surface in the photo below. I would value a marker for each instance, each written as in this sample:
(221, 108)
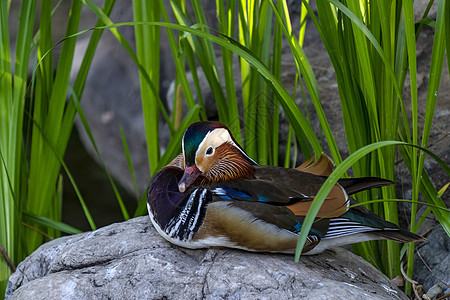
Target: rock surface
(436, 255)
(130, 260)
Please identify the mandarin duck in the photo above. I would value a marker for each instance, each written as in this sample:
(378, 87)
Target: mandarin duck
(215, 195)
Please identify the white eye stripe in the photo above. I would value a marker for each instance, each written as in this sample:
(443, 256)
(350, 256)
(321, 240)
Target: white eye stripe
(214, 139)
(182, 145)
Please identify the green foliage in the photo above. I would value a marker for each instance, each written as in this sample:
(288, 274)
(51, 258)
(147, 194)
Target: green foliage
(31, 155)
(369, 55)
(370, 44)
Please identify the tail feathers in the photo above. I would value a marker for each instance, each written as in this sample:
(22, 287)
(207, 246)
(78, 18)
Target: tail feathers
(398, 235)
(355, 222)
(355, 185)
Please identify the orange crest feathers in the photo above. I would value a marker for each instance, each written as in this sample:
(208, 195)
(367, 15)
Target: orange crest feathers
(323, 166)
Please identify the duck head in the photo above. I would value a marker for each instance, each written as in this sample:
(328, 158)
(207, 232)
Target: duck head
(211, 152)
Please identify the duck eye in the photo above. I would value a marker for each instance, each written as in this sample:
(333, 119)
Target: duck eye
(209, 151)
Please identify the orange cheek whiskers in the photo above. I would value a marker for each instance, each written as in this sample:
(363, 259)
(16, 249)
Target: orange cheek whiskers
(230, 168)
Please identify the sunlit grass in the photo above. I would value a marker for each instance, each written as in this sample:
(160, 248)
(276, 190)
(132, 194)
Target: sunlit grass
(30, 198)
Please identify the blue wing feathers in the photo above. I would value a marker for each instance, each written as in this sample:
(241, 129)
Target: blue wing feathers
(235, 194)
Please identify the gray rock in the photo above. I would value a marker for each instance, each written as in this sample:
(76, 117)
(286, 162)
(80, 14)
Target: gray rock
(436, 254)
(130, 260)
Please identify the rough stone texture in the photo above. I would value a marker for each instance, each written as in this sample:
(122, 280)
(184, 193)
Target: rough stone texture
(130, 260)
(437, 256)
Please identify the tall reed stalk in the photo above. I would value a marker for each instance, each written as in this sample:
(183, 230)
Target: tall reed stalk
(35, 125)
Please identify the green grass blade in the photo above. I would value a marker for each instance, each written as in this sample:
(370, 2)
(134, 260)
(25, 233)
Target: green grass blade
(206, 60)
(359, 24)
(437, 61)
(44, 167)
(226, 27)
(141, 208)
(337, 174)
(103, 17)
(33, 218)
(147, 49)
(38, 187)
(174, 147)
(80, 80)
(299, 122)
(8, 223)
(264, 104)
(303, 14)
(447, 32)
(411, 50)
(287, 157)
(59, 158)
(297, 119)
(328, 185)
(130, 163)
(190, 57)
(340, 170)
(276, 70)
(178, 62)
(94, 144)
(305, 69)
(427, 189)
(229, 76)
(12, 108)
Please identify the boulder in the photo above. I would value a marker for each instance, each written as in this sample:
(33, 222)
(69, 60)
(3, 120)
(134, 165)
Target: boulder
(129, 260)
(433, 265)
